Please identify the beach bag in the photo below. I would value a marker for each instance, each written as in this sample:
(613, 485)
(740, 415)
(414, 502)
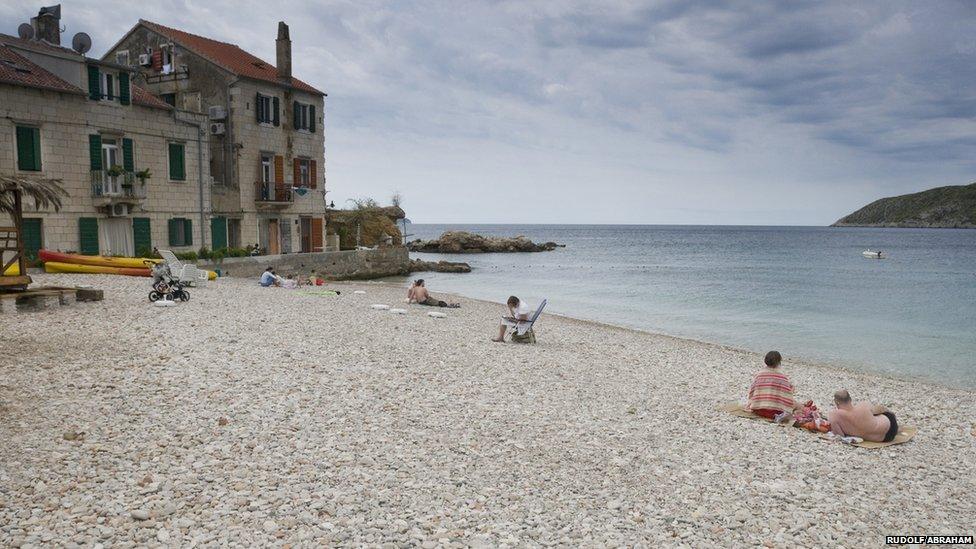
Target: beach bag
(527, 337)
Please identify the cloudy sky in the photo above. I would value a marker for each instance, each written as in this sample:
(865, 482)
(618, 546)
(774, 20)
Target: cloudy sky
(613, 112)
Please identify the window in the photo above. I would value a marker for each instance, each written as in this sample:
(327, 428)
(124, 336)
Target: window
(177, 162)
(304, 116)
(263, 105)
(166, 51)
(122, 58)
(108, 86)
(180, 232)
(303, 172)
(267, 168)
(169, 98)
(28, 149)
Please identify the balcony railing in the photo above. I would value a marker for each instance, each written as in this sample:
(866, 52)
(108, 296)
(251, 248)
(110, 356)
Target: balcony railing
(268, 193)
(123, 186)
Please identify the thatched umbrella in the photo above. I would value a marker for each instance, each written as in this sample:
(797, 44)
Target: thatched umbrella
(44, 193)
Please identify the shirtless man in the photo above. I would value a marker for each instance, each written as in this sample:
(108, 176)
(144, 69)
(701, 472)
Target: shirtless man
(418, 294)
(875, 423)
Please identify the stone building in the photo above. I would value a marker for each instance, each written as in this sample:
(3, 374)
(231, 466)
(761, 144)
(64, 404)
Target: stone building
(267, 144)
(135, 168)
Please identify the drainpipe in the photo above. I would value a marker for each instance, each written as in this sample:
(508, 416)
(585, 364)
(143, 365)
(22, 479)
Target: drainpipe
(203, 219)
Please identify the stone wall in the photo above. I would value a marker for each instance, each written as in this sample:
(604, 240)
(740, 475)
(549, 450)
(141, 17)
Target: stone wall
(352, 264)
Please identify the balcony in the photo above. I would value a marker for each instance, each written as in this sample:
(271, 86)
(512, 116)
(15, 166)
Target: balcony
(110, 189)
(267, 194)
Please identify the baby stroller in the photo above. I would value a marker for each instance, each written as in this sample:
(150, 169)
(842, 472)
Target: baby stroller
(165, 286)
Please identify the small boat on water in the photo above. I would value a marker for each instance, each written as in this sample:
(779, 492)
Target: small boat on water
(870, 254)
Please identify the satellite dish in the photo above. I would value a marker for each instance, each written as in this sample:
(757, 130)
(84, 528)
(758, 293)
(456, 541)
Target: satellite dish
(25, 31)
(81, 43)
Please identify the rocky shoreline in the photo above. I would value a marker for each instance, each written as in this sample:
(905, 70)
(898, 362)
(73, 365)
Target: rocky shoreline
(419, 265)
(462, 242)
(278, 417)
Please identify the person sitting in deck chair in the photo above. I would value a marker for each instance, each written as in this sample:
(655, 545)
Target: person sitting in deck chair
(870, 422)
(418, 294)
(518, 311)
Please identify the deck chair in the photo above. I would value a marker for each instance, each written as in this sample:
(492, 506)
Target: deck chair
(184, 272)
(522, 330)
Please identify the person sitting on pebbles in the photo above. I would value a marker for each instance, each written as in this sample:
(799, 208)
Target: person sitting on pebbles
(418, 294)
(269, 278)
(771, 392)
(870, 422)
(518, 310)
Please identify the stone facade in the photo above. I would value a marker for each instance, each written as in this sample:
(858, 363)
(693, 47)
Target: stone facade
(284, 216)
(346, 265)
(64, 122)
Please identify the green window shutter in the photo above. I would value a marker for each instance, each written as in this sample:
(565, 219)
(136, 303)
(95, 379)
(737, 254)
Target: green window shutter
(141, 236)
(275, 107)
(95, 151)
(188, 232)
(173, 236)
(88, 235)
(94, 83)
(218, 232)
(311, 118)
(177, 162)
(32, 238)
(257, 108)
(128, 160)
(296, 115)
(28, 149)
(125, 95)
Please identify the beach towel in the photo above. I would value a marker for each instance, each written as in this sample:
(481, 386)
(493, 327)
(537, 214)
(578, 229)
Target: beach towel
(905, 432)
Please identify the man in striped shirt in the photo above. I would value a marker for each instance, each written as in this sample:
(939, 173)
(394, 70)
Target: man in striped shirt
(771, 392)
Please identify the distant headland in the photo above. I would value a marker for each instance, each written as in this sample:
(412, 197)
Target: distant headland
(952, 207)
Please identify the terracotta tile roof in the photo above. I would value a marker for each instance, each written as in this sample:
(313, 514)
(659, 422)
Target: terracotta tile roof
(228, 56)
(147, 99)
(18, 70)
(41, 45)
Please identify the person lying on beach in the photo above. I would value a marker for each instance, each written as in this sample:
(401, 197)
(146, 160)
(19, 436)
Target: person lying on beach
(870, 422)
(771, 392)
(290, 282)
(418, 294)
(269, 278)
(518, 310)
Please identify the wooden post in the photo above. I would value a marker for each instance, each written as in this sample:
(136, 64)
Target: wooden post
(19, 230)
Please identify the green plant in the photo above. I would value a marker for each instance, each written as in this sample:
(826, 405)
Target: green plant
(203, 253)
(187, 256)
(115, 171)
(145, 251)
(143, 175)
(237, 252)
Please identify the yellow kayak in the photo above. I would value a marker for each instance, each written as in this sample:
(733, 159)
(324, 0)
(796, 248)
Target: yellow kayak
(96, 260)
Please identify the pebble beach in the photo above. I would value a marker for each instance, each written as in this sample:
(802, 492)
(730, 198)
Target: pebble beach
(269, 417)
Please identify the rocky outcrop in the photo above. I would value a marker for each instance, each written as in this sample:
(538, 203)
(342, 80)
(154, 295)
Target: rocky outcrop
(419, 265)
(462, 242)
(942, 207)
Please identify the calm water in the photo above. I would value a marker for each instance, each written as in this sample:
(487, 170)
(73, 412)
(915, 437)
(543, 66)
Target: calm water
(805, 291)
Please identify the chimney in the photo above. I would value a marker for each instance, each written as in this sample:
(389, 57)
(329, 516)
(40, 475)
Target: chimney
(283, 44)
(47, 24)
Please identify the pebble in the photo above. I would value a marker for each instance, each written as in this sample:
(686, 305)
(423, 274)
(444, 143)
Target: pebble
(385, 432)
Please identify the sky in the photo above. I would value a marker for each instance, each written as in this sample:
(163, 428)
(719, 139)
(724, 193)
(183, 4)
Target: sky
(663, 112)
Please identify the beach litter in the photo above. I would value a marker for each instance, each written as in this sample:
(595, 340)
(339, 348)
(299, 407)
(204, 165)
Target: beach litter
(435, 314)
(359, 292)
(380, 307)
(398, 311)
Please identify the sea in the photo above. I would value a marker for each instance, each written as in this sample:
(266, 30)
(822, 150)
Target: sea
(807, 292)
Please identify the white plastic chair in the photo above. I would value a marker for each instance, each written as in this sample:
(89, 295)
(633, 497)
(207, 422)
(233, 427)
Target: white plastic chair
(184, 272)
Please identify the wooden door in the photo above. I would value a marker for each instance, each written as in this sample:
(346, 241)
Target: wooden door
(306, 234)
(274, 238)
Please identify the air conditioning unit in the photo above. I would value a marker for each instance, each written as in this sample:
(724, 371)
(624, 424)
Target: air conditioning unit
(145, 59)
(217, 128)
(217, 112)
(118, 210)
